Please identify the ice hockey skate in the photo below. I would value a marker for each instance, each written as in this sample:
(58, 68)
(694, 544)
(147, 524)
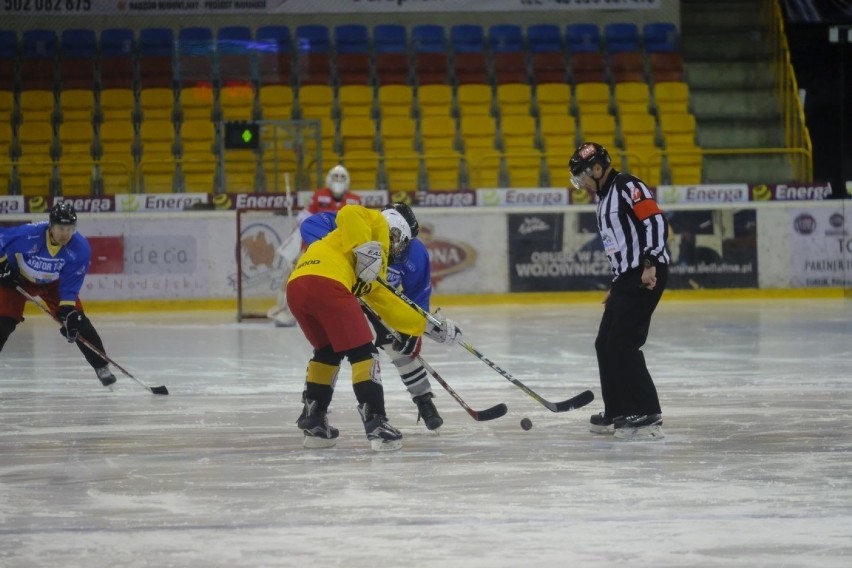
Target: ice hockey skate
(314, 424)
(106, 377)
(600, 423)
(427, 411)
(640, 427)
(383, 437)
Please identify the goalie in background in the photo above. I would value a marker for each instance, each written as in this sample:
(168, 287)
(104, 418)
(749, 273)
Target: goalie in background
(50, 260)
(410, 271)
(332, 197)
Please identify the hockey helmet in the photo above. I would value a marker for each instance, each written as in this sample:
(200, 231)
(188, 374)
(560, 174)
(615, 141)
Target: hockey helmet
(586, 156)
(337, 180)
(400, 232)
(63, 213)
(408, 215)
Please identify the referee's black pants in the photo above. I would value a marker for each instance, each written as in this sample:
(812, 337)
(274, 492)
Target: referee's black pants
(626, 384)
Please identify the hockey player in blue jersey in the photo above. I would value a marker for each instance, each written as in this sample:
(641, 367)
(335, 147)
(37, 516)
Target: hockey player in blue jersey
(50, 260)
(410, 271)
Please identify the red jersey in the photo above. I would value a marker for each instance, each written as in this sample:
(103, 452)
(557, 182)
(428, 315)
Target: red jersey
(323, 201)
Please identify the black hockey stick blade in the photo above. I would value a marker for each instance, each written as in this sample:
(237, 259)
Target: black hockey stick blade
(162, 390)
(492, 413)
(574, 403)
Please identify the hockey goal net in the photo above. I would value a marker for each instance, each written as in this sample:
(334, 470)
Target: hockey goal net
(260, 269)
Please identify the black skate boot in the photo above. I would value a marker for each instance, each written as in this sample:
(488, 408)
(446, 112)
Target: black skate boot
(427, 411)
(383, 437)
(318, 434)
(601, 424)
(640, 427)
(106, 377)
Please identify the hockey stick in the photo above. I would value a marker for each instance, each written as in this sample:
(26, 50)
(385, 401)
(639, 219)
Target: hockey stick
(491, 413)
(82, 340)
(281, 304)
(572, 403)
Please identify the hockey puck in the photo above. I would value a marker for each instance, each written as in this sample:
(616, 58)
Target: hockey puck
(526, 423)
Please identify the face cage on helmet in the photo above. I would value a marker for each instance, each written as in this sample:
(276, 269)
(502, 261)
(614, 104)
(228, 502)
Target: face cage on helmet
(579, 179)
(398, 244)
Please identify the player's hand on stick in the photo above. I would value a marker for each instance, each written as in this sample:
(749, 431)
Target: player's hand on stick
(448, 332)
(8, 275)
(368, 261)
(406, 345)
(71, 320)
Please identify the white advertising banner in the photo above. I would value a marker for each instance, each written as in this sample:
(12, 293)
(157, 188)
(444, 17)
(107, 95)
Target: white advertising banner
(212, 7)
(820, 248)
(709, 193)
(522, 197)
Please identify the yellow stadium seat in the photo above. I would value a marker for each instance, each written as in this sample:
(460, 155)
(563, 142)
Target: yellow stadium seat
(638, 130)
(116, 104)
(157, 172)
(276, 102)
(592, 97)
(316, 101)
(240, 170)
(237, 102)
(518, 133)
(646, 163)
(632, 98)
(157, 136)
(196, 103)
(559, 133)
(355, 100)
(35, 164)
(438, 134)
(598, 127)
(357, 133)
(671, 97)
(76, 105)
(553, 99)
(402, 171)
(6, 139)
(76, 166)
(36, 106)
(442, 171)
(198, 172)
(474, 99)
(395, 101)
(434, 100)
(197, 136)
(156, 103)
(685, 164)
(398, 135)
(117, 161)
(524, 170)
(7, 106)
(363, 167)
(677, 129)
(514, 99)
(484, 167)
(477, 131)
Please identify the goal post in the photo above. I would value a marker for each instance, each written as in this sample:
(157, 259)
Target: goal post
(260, 269)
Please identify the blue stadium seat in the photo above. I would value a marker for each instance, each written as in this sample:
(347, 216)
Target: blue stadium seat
(506, 38)
(390, 38)
(544, 38)
(195, 56)
(274, 38)
(583, 38)
(117, 42)
(195, 41)
(38, 59)
(313, 38)
(39, 44)
(351, 38)
(428, 38)
(8, 56)
(233, 40)
(660, 37)
(156, 42)
(233, 49)
(274, 55)
(467, 38)
(621, 37)
(79, 43)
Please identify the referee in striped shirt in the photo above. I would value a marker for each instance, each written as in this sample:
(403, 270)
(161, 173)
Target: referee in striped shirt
(634, 232)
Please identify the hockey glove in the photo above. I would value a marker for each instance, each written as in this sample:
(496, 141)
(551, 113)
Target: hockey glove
(8, 275)
(406, 345)
(447, 332)
(368, 261)
(71, 320)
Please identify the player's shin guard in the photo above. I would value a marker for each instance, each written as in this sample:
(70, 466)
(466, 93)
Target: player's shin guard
(319, 389)
(88, 332)
(367, 383)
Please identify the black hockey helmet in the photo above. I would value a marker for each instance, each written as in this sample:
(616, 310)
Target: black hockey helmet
(63, 213)
(587, 155)
(408, 215)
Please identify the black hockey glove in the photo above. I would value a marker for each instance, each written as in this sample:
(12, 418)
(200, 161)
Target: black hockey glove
(405, 344)
(71, 320)
(8, 275)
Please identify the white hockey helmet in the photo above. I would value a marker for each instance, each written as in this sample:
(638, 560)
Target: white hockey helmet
(400, 232)
(337, 181)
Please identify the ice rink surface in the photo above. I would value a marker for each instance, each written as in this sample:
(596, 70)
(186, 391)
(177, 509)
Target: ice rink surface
(756, 468)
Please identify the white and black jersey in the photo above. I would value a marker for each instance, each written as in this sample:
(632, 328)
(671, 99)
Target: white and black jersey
(631, 224)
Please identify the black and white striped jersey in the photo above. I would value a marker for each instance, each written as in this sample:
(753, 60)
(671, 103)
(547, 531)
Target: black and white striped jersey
(631, 224)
